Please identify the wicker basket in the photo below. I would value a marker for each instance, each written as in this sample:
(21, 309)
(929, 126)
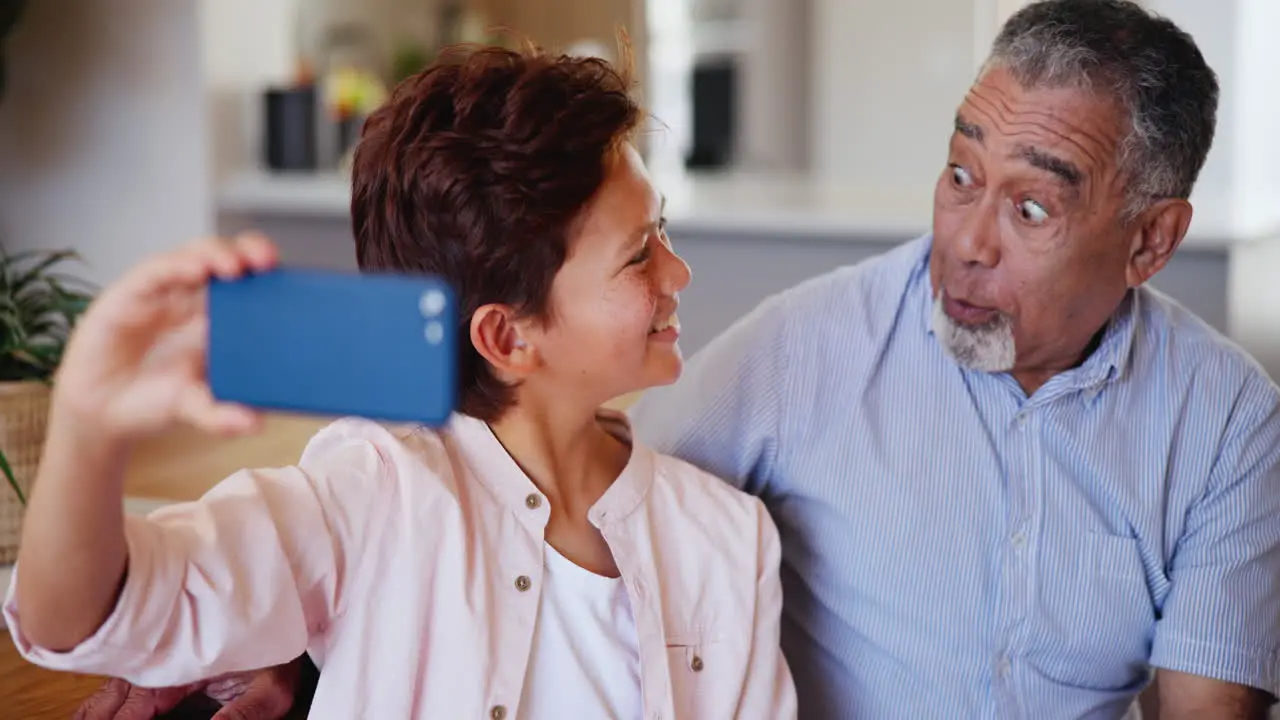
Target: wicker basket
(24, 412)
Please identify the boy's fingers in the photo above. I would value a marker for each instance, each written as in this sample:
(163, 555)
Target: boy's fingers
(252, 251)
(198, 408)
(164, 273)
(221, 258)
(231, 258)
(193, 265)
(231, 420)
(259, 252)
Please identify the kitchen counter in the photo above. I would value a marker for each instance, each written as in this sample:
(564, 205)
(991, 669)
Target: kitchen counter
(777, 206)
(759, 205)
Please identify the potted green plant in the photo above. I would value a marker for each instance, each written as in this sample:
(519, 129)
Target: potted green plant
(39, 305)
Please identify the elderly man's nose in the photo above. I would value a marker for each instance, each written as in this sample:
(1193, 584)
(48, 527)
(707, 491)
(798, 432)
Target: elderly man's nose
(978, 242)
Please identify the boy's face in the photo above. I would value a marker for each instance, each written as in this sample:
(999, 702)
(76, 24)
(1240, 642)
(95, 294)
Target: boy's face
(612, 327)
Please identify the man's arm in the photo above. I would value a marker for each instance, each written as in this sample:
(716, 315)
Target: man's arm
(1181, 695)
(282, 692)
(1217, 641)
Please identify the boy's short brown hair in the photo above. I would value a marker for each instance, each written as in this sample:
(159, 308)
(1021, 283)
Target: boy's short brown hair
(475, 170)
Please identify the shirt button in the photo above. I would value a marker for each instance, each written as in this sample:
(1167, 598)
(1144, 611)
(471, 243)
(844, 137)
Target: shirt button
(1004, 666)
(696, 663)
(1019, 540)
(522, 583)
(533, 502)
(497, 712)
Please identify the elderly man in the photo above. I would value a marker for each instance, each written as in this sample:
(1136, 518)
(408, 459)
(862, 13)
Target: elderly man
(1011, 478)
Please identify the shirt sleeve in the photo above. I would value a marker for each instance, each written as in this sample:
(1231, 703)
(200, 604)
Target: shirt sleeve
(769, 690)
(725, 412)
(238, 580)
(1221, 618)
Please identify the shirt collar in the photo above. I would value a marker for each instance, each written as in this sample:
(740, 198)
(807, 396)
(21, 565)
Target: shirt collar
(1111, 360)
(494, 468)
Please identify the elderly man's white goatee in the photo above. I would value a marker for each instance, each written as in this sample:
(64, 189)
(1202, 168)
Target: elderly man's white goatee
(986, 348)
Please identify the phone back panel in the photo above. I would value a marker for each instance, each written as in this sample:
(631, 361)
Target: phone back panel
(330, 343)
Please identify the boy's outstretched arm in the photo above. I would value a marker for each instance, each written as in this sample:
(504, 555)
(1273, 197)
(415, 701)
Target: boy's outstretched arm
(134, 365)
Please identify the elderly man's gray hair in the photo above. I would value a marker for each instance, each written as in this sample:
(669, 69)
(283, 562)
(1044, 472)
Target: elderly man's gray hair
(1144, 62)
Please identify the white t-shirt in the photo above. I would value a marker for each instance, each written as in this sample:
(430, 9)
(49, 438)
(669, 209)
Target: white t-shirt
(585, 661)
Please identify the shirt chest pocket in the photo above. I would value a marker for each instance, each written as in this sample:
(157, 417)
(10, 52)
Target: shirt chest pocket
(1101, 615)
(707, 670)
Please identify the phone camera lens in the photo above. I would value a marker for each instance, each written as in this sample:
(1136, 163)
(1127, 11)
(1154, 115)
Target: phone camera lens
(432, 303)
(434, 332)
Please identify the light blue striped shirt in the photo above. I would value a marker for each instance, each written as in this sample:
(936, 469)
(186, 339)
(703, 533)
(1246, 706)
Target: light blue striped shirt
(953, 548)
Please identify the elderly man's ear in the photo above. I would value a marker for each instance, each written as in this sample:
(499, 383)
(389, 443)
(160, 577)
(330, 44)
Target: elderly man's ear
(1156, 234)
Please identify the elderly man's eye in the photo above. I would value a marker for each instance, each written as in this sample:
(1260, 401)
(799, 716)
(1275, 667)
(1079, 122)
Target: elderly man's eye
(960, 176)
(1032, 212)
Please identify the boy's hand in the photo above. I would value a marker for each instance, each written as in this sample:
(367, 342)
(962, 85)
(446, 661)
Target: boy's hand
(135, 363)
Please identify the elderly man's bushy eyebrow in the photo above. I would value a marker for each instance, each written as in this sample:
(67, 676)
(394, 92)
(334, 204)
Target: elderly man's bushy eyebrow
(1064, 170)
(970, 130)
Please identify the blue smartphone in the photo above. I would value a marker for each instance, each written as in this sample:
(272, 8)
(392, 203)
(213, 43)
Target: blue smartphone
(319, 342)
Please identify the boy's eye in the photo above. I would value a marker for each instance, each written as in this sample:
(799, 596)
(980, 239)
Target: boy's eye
(662, 232)
(641, 256)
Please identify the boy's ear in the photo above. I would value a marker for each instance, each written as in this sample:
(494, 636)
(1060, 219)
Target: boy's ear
(495, 334)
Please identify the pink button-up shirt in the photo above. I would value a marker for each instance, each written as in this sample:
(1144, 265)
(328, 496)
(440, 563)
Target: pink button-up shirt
(409, 564)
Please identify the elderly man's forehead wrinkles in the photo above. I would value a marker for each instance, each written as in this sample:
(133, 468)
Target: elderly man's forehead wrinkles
(1064, 139)
(1008, 104)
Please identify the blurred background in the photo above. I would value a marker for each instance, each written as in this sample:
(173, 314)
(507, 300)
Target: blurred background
(792, 136)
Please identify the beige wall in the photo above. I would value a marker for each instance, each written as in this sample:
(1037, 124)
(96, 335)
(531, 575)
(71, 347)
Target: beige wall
(103, 133)
(556, 23)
